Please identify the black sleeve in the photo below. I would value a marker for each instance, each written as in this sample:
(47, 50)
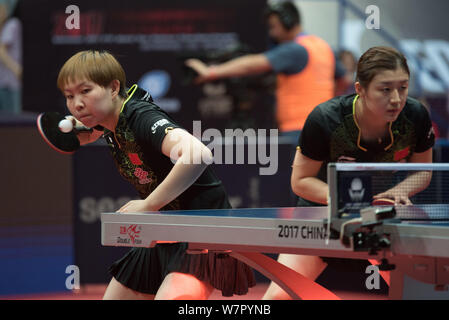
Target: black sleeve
(314, 139)
(425, 134)
(152, 124)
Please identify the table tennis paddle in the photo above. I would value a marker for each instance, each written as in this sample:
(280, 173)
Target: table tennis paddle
(382, 202)
(48, 126)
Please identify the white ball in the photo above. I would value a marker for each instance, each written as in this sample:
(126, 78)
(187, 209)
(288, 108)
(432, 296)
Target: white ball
(65, 125)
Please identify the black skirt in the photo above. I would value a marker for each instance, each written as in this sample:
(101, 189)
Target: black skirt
(144, 269)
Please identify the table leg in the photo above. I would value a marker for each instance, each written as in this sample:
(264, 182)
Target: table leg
(295, 284)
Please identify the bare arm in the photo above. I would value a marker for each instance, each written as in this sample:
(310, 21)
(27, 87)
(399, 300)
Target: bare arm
(192, 158)
(413, 184)
(304, 182)
(241, 66)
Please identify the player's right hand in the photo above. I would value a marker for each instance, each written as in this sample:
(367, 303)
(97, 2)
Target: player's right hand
(396, 195)
(84, 137)
(201, 68)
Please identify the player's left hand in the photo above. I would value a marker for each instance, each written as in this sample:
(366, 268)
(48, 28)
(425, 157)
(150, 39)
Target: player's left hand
(396, 195)
(135, 206)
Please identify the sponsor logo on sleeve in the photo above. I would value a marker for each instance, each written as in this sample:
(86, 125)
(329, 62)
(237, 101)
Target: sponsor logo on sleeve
(157, 124)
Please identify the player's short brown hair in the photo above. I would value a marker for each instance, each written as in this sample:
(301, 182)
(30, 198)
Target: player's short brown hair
(377, 59)
(100, 67)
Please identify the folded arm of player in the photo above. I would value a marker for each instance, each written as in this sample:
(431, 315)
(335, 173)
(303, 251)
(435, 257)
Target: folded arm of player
(191, 158)
(304, 182)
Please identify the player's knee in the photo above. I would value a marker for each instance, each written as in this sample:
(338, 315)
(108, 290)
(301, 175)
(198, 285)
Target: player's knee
(180, 286)
(274, 292)
(187, 297)
(117, 291)
(276, 295)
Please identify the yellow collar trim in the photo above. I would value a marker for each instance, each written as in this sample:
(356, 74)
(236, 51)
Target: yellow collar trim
(130, 94)
(359, 137)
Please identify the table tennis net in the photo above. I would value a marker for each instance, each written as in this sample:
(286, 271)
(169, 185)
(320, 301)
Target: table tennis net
(355, 186)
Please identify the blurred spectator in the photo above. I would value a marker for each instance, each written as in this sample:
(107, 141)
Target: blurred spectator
(305, 65)
(10, 58)
(349, 62)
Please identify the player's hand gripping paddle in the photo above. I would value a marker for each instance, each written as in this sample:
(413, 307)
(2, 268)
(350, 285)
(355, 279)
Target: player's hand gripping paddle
(52, 125)
(382, 202)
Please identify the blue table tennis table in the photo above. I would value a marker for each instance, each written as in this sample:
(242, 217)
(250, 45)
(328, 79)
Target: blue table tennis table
(419, 247)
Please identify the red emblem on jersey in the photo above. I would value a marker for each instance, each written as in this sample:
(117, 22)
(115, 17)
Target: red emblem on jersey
(135, 160)
(142, 176)
(401, 154)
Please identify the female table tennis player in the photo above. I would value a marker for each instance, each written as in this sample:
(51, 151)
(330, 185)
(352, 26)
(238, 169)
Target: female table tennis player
(379, 123)
(168, 168)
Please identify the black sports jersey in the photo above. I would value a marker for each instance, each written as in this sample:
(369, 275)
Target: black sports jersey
(136, 146)
(331, 134)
